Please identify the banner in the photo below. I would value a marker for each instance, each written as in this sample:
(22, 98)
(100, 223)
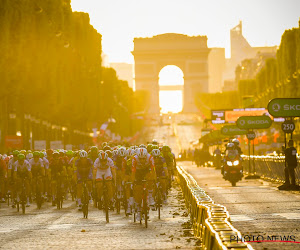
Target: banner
(39, 145)
(56, 145)
(13, 142)
(69, 147)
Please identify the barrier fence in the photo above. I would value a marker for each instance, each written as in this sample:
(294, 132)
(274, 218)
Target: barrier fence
(211, 222)
(268, 167)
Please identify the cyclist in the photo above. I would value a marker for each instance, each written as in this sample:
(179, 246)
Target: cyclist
(22, 170)
(84, 167)
(104, 166)
(3, 176)
(169, 158)
(161, 171)
(10, 171)
(149, 148)
(143, 169)
(119, 161)
(126, 170)
(57, 171)
(37, 170)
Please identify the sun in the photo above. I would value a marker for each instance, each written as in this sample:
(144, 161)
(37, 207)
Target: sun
(171, 89)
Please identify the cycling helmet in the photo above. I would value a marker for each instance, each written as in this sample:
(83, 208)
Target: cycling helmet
(69, 153)
(114, 152)
(55, 154)
(36, 154)
(154, 142)
(16, 152)
(94, 149)
(29, 156)
(155, 152)
(141, 152)
(104, 144)
(109, 153)
(142, 146)
(21, 157)
(130, 152)
(236, 142)
(122, 152)
(42, 154)
(23, 152)
(103, 156)
(149, 148)
(230, 145)
(83, 154)
(155, 147)
(107, 148)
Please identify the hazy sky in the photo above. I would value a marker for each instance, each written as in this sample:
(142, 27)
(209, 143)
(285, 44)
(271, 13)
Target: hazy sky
(120, 21)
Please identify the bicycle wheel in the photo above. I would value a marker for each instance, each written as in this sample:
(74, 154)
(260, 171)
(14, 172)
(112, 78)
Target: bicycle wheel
(23, 205)
(158, 202)
(106, 207)
(118, 206)
(146, 214)
(18, 206)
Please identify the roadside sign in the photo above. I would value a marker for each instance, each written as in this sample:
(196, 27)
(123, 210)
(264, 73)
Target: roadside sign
(250, 135)
(39, 145)
(232, 130)
(284, 107)
(13, 142)
(254, 122)
(56, 145)
(288, 126)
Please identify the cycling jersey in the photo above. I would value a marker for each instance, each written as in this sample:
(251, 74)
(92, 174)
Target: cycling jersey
(11, 163)
(160, 166)
(56, 167)
(36, 166)
(119, 161)
(84, 169)
(22, 169)
(104, 169)
(45, 162)
(2, 168)
(142, 167)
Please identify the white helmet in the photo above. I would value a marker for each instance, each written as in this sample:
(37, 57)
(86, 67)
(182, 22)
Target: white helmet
(122, 152)
(236, 142)
(29, 156)
(83, 154)
(155, 152)
(115, 152)
(141, 152)
(103, 156)
(230, 145)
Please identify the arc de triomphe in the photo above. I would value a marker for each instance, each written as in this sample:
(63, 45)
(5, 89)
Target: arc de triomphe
(190, 54)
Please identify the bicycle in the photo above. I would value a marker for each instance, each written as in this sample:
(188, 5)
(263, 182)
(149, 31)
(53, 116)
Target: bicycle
(22, 198)
(158, 197)
(144, 203)
(105, 198)
(38, 194)
(85, 200)
(59, 194)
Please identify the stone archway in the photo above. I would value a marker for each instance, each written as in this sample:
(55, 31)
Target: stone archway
(190, 54)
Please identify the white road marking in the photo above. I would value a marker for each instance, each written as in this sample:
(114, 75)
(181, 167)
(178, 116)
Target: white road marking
(240, 217)
(289, 216)
(215, 188)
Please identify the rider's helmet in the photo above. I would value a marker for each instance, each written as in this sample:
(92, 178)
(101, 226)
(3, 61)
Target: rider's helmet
(155, 153)
(36, 154)
(109, 153)
(15, 153)
(21, 157)
(142, 146)
(155, 147)
(107, 148)
(103, 156)
(104, 144)
(42, 155)
(149, 148)
(83, 154)
(165, 148)
(94, 150)
(122, 152)
(154, 142)
(236, 142)
(69, 153)
(29, 156)
(141, 153)
(230, 145)
(61, 152)
(55, 154)
(115, 152)
(23, 152)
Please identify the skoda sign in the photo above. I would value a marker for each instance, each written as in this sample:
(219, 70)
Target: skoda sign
(232, 130)
(284, 107)
(254, 122)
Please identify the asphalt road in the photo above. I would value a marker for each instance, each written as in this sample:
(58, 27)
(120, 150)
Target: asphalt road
(256, 207)
(66, 228)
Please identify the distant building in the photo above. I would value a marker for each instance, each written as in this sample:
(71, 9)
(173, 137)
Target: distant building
(216, 67)
(105, 62)
(124, 72)
(229, 85)
(241, 50)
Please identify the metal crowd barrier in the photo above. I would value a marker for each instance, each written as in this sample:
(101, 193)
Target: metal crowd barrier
(210, 221)
(268, 167)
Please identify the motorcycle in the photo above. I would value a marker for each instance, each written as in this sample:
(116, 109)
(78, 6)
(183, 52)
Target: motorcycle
(232, 169)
